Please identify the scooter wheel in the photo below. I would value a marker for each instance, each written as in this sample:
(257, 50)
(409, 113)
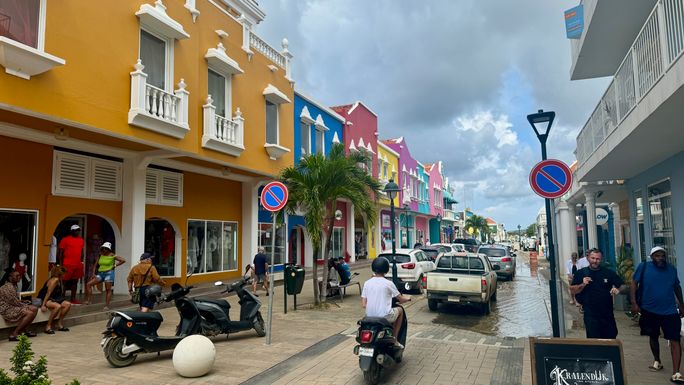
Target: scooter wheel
(260, 325)
(372, 376)
(114, 356)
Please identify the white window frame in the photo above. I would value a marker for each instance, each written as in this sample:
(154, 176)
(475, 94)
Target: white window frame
(277, 122)
(90, 162)
(228, 82)
(40, 33)
(320, 132)
(302, 126)
(168, 51)
(204, 257)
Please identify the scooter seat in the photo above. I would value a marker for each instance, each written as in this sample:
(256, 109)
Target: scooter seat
(376, 320)
(141, 316)
(219, 302)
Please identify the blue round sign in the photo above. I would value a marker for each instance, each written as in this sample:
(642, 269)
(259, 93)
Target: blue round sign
(550, 178)
(274, 196)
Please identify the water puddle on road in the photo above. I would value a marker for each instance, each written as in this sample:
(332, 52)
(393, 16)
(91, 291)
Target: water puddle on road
(520, 311)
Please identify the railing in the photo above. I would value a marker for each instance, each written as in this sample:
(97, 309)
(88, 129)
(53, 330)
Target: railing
(161, 104)
(657, 46)
(268, 51)
(223, 134)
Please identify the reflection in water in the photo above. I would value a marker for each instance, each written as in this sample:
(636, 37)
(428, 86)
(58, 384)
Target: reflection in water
(520, 310)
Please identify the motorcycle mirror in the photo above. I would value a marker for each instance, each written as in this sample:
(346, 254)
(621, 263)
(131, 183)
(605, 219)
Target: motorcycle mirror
(218, 283)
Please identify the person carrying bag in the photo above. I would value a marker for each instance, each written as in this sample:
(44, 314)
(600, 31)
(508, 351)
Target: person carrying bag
(140, 278)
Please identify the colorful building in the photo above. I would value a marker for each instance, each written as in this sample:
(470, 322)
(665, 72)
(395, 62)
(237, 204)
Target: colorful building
(436, 194)
(388, 163)
(156, 140)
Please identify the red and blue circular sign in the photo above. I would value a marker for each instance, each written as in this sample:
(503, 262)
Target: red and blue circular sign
(274, 196)
(550, 178)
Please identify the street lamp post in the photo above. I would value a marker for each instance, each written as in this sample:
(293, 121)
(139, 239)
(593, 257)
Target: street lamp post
(519, 239)
(406, 209)
(392, 190)
(541, 123)
(439, 226)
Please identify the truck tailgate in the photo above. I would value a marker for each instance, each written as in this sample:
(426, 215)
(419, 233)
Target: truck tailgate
(454, 283)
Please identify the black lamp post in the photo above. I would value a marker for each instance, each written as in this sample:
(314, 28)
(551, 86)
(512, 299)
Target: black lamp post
(406, 222)
(392, 190)
(439, 226)
(519, 239)
(541, 123)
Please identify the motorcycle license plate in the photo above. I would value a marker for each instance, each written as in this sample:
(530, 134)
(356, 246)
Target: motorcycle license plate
(104, 341)
(454, 299)
(366, 352)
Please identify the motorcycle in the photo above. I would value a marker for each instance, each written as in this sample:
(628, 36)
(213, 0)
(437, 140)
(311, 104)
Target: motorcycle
(216, 312)
(130, 333)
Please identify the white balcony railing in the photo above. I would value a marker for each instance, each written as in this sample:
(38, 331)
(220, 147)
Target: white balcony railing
(282, 59)
(657, 46)
(268, 51)
(223, 134)
(156, 109)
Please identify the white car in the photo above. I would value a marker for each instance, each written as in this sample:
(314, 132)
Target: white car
(454, 247)
(412, 265)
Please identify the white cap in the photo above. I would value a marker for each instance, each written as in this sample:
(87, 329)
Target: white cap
(657, 248)
(107, 245)
(75, 227)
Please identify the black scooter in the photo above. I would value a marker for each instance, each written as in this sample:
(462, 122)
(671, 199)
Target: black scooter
(377, 349)
(130, 333)
(216, 312)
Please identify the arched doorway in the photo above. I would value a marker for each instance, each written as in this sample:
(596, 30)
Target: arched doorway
(162, 240)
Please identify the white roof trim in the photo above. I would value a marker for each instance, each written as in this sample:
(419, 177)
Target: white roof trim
(370, 148)
(361, 143)
(356, 104)
(327, 110)
(320, 125)
(387, 148)
(155, 18)
(403, 168)
(219, 61)
(305, 116)
(352, 147)
(336, 139)
(435, 185)
(274, 95)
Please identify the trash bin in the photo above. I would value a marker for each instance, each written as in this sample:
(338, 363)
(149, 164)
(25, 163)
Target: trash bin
(294, 277)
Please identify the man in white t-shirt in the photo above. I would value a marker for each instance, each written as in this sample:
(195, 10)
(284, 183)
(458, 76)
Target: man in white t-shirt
(377, 295)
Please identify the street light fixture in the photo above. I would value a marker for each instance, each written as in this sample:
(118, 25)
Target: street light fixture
(392, 190)
(439, 226)
(406, 210)
(541, 123)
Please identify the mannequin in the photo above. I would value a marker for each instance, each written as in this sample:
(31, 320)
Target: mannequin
(22, 268)
(168, 243)
(214, 257)
(193, 249)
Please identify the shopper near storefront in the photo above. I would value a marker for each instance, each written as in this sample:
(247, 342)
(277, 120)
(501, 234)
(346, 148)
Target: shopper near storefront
(141, 277)
(12, 309)
(52, 299)
(260, 270)
(103, 271)
(657, 295)
(70, 255)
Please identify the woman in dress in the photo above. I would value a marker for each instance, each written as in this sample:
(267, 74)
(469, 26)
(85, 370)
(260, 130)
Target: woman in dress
(52, 298)
(13, 310)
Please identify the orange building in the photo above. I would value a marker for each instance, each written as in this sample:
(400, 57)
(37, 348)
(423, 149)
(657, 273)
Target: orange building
(151, 124)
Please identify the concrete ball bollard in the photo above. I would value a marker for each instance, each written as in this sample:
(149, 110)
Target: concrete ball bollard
(194, 356)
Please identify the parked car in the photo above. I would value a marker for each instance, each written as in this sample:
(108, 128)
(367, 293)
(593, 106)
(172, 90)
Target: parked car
(412, 265)
(500, 256)
(458, 247)
(470, 244)
(434, 251)
(451, 247)
(462, 278)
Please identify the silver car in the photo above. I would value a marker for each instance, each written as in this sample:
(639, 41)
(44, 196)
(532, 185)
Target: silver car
(500, 256)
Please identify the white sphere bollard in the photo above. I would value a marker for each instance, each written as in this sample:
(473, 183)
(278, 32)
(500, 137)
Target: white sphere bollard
(194, 356)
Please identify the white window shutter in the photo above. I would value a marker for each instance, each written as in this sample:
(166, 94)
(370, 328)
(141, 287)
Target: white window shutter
(70, 174)
(152, 186)
(171, 189)
(106, 179)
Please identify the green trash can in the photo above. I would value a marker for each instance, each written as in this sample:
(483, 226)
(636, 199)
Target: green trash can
(294, 277)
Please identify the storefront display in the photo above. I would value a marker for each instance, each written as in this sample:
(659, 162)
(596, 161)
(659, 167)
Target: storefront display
(212, 246)
(18, 244)
(265, 240)
(160, 241)
(662, 228)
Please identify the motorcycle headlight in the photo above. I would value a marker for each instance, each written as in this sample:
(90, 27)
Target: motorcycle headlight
(113, 322)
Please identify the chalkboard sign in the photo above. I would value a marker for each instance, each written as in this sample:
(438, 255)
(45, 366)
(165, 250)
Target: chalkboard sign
(573, 361)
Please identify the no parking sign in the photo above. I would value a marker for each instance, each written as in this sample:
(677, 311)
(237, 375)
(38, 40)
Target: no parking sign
(550, 178)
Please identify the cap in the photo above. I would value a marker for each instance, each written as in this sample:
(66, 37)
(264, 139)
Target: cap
(657, 248)
(145, 256)
(75, 227)
(106, 245)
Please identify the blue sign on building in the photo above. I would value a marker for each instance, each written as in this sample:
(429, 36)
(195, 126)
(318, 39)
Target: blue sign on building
(574, 22)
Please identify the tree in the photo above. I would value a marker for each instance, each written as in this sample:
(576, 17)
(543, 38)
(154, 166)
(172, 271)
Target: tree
(315, 185)
(479, 225)
(531, 230)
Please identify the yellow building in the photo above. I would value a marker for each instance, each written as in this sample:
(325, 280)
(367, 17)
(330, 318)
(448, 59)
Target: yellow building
(388, 163)
(151, 124)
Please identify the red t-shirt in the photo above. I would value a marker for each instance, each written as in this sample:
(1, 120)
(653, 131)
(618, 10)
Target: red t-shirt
(73, 249)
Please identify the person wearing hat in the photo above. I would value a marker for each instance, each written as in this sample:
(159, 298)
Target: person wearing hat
(141, 277)
(657, 295)
(103, 271)
(70, 255)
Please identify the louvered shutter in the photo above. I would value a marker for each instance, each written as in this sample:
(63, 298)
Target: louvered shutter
(152, 186)
(70, 175)
(171, 189)
(106, 179)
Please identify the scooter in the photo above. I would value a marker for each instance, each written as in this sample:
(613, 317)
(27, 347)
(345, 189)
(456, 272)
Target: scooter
(216, 312)
(130, 333)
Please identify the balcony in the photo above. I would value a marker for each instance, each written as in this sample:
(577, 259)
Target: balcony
(641, 108)
(606, 37)
(282, 59)
(223, 134)
(156, 109)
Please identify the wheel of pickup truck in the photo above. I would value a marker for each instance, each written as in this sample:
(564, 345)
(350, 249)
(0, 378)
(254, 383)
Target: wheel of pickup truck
(418, 289)
(494, 295)
(433, 304)
(486, 307)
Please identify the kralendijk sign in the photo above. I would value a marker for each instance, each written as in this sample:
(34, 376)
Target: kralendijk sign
(567, 361)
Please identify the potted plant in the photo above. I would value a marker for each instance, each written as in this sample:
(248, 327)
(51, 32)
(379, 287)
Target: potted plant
(625, 269)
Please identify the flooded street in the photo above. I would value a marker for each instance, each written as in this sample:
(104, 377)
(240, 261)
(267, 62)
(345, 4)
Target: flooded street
(522, 308)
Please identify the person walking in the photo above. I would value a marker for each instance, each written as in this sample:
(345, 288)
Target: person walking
(70, 256)
(12, 309)
(260, 270)
(141, 277)
(103, 271)
(659, 301)
(52, 298)
(571, 268)
(594, 287)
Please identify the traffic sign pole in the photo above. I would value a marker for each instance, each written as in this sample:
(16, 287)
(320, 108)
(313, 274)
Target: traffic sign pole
(555, 320)
(270, 278)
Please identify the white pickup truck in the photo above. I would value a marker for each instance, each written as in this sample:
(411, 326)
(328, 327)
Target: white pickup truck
(463, 278)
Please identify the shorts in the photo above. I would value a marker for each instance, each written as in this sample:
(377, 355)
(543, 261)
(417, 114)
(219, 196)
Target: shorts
(73, 272)
(393, 315)
(261, 278)
(144, 301)
(105, 276)
(600, 326)
(652, 323)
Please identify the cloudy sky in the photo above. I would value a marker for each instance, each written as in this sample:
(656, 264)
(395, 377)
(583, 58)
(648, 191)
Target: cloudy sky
(456, 78)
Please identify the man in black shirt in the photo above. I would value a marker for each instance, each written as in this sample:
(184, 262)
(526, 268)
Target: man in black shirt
(594, 287)
(260, 270)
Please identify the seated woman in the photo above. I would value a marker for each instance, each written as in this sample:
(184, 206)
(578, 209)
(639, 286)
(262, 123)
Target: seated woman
(52, 297)
(103, 271)
(14, 310)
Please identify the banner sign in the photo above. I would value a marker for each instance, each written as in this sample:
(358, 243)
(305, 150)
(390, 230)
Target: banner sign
(568, 361)
(574, 22)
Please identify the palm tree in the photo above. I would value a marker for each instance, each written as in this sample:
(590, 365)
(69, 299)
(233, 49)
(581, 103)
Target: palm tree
(314, 186)
(479, 225)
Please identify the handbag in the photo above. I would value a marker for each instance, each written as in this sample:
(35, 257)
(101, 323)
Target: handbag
(135, 296)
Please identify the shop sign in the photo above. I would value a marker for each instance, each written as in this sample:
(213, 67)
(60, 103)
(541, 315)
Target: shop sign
(601, 216)
(386, 220)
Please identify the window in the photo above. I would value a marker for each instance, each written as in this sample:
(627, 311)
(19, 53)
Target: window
(164, 187)
(384, 170)
(86, 177)
(18, 242)
(337, 245)
(153, 56)
(20, 21)
(320, 142)
(639, 206)
(265, 234)
(212, 246)
(218, 86)
(306, 138)
(271, 123)
(662, 227)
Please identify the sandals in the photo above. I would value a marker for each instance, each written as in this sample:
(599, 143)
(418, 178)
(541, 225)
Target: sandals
(677, 378)
(30, 333)
(63, 329)
(13, 338)
(49, 331)
(657, 366)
